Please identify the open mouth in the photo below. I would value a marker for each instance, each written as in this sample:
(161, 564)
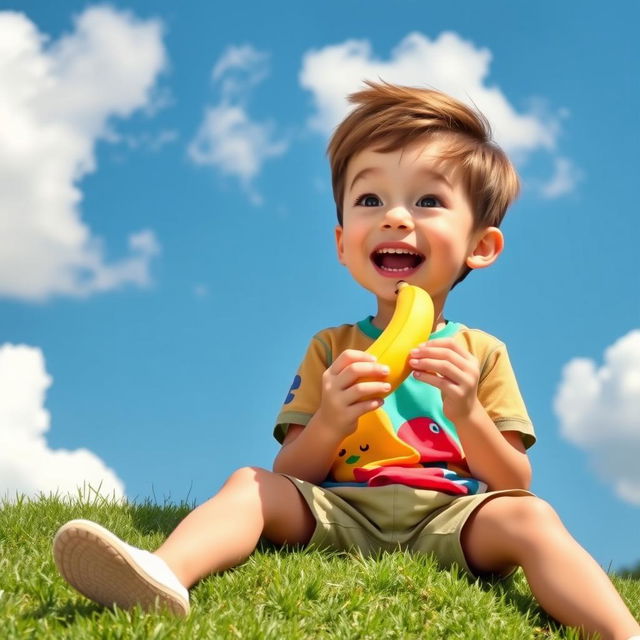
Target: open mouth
(396, 261)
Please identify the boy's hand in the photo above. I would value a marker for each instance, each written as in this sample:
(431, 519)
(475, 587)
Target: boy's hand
(345, 395)
(446, 365)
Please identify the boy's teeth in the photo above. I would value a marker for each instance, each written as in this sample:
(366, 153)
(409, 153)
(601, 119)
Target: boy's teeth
(397, 259)
(413, 253)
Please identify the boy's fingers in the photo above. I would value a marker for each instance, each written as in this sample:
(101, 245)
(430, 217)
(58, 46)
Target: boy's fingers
(454, 367)
(358, 370)
(439, 382)
(432, 379)
(360, 408)
(442, 345)
(442, 368)
(462, 362)
(347, 357)
(365, 390)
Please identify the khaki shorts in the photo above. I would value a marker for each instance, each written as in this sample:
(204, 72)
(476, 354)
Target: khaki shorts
(392, 517)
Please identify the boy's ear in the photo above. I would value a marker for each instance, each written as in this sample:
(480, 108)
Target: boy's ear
(488, 245)
(339, 245)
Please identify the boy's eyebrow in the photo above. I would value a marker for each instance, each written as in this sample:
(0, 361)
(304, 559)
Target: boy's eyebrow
(363, 174)
(436, 175)
(431, 173)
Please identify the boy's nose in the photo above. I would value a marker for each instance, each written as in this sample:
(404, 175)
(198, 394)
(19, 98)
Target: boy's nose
(397, 218)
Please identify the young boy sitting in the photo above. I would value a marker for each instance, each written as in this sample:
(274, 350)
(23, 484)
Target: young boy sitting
(420, 191)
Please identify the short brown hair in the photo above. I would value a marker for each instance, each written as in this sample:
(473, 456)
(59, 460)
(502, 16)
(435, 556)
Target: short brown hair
(393, 117)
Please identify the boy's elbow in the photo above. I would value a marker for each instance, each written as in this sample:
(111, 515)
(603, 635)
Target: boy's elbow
(519, 478)
(520, 470)
(526, 474)
(286, 464)
(279, 463)
(522, 478)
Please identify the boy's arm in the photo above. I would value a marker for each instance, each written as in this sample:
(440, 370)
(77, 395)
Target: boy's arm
(497, 458)
(307, 452)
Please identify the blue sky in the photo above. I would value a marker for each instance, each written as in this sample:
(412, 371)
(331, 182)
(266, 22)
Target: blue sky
(167, 245)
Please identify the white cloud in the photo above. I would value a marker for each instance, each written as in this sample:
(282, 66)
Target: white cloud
(27, 464)
(251, 65)
(564, 179)
(599, 411)
(56, 102)
(145, 140)
(228, 138)
(230, 141)
(448, 63)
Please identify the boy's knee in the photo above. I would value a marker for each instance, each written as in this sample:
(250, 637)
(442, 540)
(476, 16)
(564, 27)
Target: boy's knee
(532, 518)
(535, 510)
(519, 517)
(247, 476)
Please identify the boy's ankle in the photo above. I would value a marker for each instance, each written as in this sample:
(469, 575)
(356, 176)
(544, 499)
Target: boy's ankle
(175, 570)
(158, 568)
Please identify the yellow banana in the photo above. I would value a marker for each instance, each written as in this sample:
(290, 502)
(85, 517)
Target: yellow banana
(410, 325)
(374, 443)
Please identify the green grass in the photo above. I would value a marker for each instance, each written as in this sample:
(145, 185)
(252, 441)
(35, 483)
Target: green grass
(276, 594)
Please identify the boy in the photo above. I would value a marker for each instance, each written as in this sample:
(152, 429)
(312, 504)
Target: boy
(420, 192)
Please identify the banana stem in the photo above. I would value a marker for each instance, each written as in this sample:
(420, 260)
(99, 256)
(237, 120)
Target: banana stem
(400, 285)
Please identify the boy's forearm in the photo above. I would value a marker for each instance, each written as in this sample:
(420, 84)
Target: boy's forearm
(310, 456)
(490, 457)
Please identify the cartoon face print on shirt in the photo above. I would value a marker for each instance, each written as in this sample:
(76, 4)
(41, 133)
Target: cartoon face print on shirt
(372, 444)
(432, 442)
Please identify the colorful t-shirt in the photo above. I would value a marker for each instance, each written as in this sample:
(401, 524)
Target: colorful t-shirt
(408, 440)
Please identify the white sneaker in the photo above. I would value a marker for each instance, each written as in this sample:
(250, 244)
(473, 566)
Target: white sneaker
(109, 571)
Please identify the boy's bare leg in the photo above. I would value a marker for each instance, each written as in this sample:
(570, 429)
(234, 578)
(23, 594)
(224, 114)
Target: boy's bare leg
(225, 530)
(567, 582)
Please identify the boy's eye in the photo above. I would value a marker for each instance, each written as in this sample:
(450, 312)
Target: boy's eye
(429, 201)
(368, 200)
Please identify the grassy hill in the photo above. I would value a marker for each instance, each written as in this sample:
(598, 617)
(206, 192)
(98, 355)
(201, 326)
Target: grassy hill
(276, 594)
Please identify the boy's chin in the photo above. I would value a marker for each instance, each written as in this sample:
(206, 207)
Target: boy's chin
(386, 291)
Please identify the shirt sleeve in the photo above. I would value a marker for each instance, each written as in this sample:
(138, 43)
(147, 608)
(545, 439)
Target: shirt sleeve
(499, 394)
(303, 398)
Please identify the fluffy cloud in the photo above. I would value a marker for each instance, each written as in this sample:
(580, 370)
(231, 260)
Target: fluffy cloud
(448, 63)
(56, 102)
(564, 179)
(228, 139)
(599, 411)
(27, 464)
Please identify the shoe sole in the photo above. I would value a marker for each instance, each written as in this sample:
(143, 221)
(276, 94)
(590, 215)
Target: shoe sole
(97, 564)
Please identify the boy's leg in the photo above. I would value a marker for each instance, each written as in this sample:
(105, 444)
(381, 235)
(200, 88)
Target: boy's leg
(220, 533)
(225, 530)
(567, 582)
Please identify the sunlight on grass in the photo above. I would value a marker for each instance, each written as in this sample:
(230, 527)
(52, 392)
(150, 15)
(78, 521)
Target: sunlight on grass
(283, 595)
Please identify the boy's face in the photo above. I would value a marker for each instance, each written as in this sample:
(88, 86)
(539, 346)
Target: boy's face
(407, 216)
